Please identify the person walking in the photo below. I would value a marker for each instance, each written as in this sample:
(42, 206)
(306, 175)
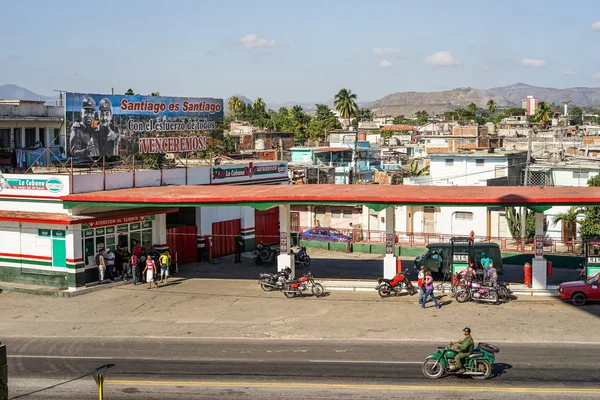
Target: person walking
(429, 291)
(134, 269)
(421, 283)
(149, 270)
(239, 246)
(165, 264)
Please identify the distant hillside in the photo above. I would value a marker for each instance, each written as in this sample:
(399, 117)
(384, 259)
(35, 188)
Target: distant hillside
(14, 92)
(407, 103)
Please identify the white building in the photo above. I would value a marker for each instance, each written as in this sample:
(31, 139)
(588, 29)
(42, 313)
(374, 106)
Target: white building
(47, 239)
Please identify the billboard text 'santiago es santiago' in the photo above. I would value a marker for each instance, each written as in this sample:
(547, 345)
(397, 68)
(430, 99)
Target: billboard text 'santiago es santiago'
(110, 125)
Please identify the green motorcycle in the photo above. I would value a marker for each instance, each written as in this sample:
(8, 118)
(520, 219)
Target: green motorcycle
(478, 365)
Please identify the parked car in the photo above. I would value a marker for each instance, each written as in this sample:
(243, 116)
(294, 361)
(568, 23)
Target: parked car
(580, 292)
(325, 235)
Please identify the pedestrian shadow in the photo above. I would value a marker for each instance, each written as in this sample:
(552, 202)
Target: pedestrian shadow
(174, 283)
(500, 369)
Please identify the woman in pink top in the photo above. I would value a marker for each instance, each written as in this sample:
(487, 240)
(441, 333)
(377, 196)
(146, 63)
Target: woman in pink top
(149, 270)
(429, 290)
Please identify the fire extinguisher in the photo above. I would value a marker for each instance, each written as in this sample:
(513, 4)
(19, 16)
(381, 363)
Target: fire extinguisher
(527, 273)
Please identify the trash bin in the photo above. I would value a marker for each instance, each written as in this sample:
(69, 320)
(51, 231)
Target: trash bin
(527, 274)
(398, 265)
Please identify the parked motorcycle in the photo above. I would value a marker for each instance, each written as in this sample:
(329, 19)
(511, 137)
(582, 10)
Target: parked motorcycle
(269, 282)
(264, 253)
(301, 258)
(478, 365)
(395, 286)
(302, 284)
(477, 292)
(504, 292)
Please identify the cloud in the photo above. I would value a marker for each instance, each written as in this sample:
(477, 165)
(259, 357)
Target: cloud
(569, 73)
(380, 51)
(595, 26)
(533, 62)
(384, 64)
(443, 58)
(251, 41)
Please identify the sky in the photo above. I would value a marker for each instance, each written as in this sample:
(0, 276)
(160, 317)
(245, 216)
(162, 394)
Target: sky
(301, 51)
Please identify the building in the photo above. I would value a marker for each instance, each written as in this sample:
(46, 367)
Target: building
(530, 104)
(46, 239)
(26, 129)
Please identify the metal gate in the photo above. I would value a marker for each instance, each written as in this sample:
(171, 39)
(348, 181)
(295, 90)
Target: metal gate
(266, 226)
(182, 242)
(223, 237)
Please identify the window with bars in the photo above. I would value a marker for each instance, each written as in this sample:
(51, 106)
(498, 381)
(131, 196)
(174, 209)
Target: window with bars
(581, 175)
(479, 162)
(463, 215)
(336, 214)
(449, 161)
(347, 214)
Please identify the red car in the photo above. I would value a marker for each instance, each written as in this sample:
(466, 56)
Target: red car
(580, 291)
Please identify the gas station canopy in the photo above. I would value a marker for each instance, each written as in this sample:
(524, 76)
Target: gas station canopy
(376, 197)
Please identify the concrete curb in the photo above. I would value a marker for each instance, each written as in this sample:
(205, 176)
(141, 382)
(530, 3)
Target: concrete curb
(60, 292)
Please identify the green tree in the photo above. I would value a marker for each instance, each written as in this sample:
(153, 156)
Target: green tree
(576, 115)
(345, 104)
(413, 169)
(491, 105)
(422, 117)
(569, 221)
(472, 107)
(323, 112)
(363, 114)
(323, 121)
(129, 92)
(155, 94)
(590, 225)
(543, 114)
(401, 119)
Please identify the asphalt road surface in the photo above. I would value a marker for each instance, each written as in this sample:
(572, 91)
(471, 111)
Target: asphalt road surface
(59, 368)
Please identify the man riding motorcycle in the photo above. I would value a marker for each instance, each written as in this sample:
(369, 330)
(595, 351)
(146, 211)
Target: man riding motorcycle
(465, 349)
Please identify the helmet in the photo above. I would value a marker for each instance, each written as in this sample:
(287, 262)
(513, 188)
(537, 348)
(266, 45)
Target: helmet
(88, 102)
(105, 105)
(468, 330)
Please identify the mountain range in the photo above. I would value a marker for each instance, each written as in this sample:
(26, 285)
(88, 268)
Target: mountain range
(407, 103)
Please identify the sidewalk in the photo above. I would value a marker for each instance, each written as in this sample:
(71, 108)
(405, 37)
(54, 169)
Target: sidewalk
(221, 308)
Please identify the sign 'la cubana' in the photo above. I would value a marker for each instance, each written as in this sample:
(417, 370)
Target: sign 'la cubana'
(112, 125)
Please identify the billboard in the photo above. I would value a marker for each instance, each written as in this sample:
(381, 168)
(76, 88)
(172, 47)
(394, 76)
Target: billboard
(111, 125)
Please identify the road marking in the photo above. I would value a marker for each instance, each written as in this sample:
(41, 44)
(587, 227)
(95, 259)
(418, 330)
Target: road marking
(300, 385)
(237, 360)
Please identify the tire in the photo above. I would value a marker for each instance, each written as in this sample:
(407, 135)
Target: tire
(505, 293)
(306, 260)
(385, 291)
(264, 254)
(579, 299)
(462, 296)
(483, 365)
(440, 288)
(452, 292)
(288, 294)
(431, 370)
(493, 296)
(318, 289)
(267, 288)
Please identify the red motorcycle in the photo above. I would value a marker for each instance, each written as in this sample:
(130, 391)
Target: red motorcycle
(302, 284)
(387, 287)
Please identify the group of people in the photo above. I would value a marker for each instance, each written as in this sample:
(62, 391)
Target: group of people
(128, 265)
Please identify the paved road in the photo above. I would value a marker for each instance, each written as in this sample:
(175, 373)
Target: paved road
(258, 369)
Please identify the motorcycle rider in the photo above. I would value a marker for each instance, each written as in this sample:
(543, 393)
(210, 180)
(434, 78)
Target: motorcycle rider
(465, 349)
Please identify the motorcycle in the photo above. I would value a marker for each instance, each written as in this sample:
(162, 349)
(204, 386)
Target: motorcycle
(264, 253)
(302, 284)
(478, 365)
(477, 292)
(301, 258)
(504, 292)
(385, 287)
(276, 281)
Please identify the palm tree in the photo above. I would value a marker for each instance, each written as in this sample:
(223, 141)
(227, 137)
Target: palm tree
(569, 222)
(414, 170)
(234, 104)
(259, 106)
(543, 113)
(345, 104)
(491, 105)
(472, 107)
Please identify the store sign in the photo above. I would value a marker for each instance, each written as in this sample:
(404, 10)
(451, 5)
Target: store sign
(33, 185)
(59, 234)
(88, 233)
(123, 228)
(146, 225)
(111, 125)
(44, 232)
(99, 231)
(110, 229)
(283, 242)
(389, 243)
(134, 227)
(249, 172)
(539, 246)
(109, 221)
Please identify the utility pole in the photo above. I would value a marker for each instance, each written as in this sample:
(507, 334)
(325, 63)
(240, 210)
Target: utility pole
(526, 183)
